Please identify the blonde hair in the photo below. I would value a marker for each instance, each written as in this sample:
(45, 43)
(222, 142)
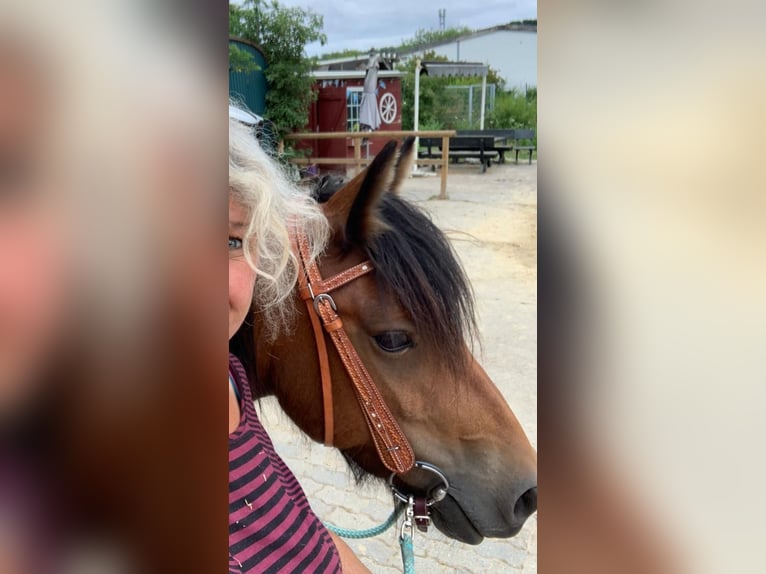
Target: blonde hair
(272, 203)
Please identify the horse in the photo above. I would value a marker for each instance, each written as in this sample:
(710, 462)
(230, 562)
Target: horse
(411, 321)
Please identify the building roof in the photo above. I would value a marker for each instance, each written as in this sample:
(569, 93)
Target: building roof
(512, 27)
(352, 74)
(360, 61)
(438, 69)
(343, 60)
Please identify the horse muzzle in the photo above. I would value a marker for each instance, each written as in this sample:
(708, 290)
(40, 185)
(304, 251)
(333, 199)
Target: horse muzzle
(471, 517)
(461, 516)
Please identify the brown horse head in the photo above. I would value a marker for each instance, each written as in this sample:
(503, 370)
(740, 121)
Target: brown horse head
(411, 321)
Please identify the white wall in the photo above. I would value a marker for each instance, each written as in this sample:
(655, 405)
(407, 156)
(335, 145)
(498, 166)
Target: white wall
(513, 53)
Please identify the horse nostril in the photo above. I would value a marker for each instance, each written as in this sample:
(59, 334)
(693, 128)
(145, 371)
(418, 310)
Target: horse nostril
(525, 505)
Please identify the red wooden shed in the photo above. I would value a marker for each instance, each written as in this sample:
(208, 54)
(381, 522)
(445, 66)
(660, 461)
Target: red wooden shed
(336, 109)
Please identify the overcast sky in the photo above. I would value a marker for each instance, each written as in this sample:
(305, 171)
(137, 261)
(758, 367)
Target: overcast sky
(362, 24)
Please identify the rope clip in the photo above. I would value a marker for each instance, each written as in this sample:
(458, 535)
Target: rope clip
(408, 526)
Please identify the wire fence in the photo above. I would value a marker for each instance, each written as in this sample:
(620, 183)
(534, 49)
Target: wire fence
(461, 106)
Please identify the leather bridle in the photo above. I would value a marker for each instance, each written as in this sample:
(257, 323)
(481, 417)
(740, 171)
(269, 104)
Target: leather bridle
(393, 448)
(391, 444)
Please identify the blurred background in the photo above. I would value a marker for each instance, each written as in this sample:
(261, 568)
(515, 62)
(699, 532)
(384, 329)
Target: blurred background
(651, 281)
(651, 265)
(113, 137)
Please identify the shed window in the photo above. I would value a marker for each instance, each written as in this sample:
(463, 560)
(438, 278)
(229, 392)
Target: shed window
(353, 104)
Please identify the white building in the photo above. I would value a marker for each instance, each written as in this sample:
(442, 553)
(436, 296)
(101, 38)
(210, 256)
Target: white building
(510, 49)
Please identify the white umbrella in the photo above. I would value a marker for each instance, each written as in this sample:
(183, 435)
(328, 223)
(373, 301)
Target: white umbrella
(369, 116)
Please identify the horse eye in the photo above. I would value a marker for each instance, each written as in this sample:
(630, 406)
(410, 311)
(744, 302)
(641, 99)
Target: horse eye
(393, 341)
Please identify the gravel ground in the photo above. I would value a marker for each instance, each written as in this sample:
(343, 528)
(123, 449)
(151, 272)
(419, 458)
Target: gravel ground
(492, 220)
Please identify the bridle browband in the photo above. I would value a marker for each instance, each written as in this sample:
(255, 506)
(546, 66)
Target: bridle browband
(391, 444)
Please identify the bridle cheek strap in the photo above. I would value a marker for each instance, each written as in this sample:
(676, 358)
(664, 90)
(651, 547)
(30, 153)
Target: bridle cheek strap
(392, 445)
(324, 364)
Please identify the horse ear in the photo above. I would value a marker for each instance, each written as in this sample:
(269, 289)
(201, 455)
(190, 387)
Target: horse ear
(353, 208)
(403, 164)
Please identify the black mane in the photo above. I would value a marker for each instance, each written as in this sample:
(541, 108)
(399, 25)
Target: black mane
(416, 261)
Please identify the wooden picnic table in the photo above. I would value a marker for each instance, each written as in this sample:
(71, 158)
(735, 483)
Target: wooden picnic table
(481, 147)
(505, 140)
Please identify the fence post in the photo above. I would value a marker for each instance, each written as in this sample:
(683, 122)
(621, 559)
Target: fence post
(470, 106)
(483, 99)
(358, 155)
(415, 124)
(445, 166)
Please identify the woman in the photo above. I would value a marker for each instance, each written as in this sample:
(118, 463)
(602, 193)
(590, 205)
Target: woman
(271, 525)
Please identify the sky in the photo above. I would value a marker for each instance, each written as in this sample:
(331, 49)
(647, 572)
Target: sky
(362, 24)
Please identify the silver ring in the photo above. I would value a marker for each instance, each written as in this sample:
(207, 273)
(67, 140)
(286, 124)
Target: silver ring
(440, 492)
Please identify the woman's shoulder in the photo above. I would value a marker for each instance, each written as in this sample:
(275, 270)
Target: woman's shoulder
(238, 373)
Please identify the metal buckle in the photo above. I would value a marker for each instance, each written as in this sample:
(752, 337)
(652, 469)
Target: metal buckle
(321, 297)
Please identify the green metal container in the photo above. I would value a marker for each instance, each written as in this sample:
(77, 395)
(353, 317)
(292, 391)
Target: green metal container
(249, 87)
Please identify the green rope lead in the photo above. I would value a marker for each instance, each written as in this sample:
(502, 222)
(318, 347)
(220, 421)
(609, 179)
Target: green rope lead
(368, 533)
(405, 541)
(408, 554)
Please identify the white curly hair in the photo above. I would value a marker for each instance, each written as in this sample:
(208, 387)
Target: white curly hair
(273, 203)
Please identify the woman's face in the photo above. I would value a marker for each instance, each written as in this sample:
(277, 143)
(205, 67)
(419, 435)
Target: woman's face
(33, 262)
(241, 275)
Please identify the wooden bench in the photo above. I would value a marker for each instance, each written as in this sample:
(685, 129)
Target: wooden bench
(503, 139)
(480, 147)
(524, 135)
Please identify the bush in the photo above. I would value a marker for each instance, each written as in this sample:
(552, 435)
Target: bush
(431, 125)
(514, 110)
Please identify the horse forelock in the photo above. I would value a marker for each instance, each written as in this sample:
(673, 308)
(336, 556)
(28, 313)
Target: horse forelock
(417, 262)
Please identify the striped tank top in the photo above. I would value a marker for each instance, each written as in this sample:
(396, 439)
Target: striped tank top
(271, 525)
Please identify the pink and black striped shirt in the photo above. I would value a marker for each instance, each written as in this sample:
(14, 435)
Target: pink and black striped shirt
(271, 525)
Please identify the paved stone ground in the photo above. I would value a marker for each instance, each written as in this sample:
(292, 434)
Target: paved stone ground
(491, 219)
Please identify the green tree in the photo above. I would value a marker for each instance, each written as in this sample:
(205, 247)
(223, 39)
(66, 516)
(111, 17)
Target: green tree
(241, 61)
(432, 91)
(347, 53)
(283, 33)
(492, 78)
(421, 38)
(424, 37)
